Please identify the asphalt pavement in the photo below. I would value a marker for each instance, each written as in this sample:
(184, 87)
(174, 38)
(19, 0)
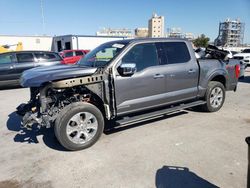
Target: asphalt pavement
(186, 149)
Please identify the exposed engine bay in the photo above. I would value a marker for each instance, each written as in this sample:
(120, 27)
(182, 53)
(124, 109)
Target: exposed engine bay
(47, 101)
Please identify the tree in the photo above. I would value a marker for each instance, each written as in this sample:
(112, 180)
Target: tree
(201, 41)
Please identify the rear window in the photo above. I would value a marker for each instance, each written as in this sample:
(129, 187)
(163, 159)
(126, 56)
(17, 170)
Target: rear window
(6, 58)
(79, 53)
(47, 56)
(173, 52)
(25, 57)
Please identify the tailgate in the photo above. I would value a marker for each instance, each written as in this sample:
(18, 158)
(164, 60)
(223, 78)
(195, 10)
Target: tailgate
(233, 69)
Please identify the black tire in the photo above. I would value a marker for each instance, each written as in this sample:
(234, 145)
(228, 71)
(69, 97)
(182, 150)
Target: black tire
(63, 120)
(211, 107)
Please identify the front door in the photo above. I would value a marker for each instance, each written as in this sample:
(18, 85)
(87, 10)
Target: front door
(6, 68)
(25, 61)
(145, 87)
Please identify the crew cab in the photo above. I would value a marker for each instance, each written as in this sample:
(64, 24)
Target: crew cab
(125, 82)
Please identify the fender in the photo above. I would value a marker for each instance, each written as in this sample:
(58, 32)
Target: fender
(209, 77)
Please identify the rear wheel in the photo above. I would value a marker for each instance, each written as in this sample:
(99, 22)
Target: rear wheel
(79, 126)
(215, 96)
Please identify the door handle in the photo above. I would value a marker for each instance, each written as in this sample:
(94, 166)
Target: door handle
(158, 76)
(191, 71)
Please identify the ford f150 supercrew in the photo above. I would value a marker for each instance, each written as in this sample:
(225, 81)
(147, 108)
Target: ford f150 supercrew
(126, 81)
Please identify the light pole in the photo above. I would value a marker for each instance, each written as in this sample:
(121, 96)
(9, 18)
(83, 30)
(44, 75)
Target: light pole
(42, 15)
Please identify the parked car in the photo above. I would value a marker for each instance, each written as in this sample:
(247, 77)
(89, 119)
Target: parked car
(244, 56)
(72, 56)
(231, 53)
(126, 86)
(12, 64)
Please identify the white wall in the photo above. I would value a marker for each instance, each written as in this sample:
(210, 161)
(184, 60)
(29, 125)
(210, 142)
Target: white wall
(89, 43)
(82, 42)
(29, 42)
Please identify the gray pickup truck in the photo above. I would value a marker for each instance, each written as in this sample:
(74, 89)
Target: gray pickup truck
(126, 81)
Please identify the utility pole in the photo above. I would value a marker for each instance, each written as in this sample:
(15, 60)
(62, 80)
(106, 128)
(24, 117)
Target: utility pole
(42, 14)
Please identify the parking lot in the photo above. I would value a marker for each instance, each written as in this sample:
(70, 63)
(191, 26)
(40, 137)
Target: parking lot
(186, 149)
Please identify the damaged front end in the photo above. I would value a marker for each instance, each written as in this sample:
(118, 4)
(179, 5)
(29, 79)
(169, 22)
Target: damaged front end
(48, 100)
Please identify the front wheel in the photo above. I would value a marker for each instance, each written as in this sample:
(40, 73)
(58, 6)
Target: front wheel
(215, 96)
(79, 126)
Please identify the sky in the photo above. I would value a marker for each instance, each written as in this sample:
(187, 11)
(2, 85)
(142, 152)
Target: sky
(85, 17)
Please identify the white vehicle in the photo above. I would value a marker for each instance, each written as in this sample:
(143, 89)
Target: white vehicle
(231, 54)
(244, 56)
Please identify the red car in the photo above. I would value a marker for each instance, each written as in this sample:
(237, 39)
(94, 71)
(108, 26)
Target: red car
(72, 56)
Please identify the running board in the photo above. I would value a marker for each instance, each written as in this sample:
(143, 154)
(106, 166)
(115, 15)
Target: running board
(158, 113)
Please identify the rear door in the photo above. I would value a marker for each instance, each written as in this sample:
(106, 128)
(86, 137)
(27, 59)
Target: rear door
(25, 61)
(182, 71)
(69, 57)
(7, 67)
(145, 88)
(78, 55)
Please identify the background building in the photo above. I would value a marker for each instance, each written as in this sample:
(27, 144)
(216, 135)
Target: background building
(141, 32)
(189, 36)
(56, 43)
(115, 32)
(231, 33)
(175, 33)
(28, 42)
(156, 26)
(85, 42)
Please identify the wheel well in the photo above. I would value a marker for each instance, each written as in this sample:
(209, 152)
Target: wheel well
(220, 79)
(97, 101)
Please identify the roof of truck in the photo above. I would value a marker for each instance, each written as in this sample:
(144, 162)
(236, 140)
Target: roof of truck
(150, 40)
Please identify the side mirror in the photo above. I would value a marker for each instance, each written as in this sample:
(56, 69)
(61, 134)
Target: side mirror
(127, 69)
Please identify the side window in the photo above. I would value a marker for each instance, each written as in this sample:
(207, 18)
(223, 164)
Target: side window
(43, 56)
(173, 52)
(68, 54)
(6, 58)
(25, 57)
(79, 53)
(143, 55)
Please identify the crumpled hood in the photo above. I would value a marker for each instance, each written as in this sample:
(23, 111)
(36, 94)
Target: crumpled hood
(37, 76)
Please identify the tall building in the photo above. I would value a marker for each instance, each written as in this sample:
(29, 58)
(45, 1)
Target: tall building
(141, 32)
(156, 26)
(115, 32)
(231, 33)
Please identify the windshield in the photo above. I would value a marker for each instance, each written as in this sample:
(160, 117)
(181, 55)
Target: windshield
(102, 55)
